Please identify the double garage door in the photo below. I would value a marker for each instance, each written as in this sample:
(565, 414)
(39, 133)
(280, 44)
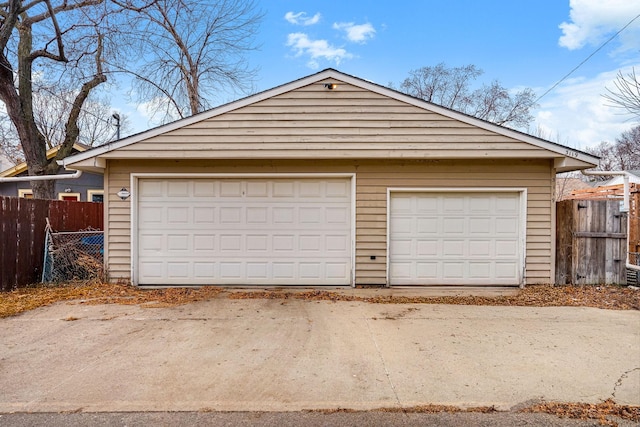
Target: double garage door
(260, 231)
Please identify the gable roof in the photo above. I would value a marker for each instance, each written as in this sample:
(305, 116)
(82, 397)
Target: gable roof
(51, 152)
(565, 158)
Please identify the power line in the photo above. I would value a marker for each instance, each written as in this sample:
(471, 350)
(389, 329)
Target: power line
(586, 59)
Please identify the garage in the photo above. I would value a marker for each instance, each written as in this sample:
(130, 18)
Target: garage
(243, 231)
(456, 237)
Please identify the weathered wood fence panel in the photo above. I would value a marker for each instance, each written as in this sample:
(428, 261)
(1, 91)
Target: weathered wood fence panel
(634, 228)
(591, 242)
(22, 233)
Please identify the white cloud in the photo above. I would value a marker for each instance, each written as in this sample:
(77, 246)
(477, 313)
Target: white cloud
(578, 116)
(593, 21)
(356, 33)
(301, 18)
(316, 49)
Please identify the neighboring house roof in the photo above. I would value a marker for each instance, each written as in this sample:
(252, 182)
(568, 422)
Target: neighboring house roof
(22, 167)
(564, 187)
(180, 146)
(617, 180)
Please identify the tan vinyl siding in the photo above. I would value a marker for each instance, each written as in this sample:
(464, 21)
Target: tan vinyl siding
(373, 177)
(348, 122)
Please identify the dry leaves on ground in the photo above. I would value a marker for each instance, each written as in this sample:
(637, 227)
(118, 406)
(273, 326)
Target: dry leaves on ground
(587, 411)
(605, 412)
(608, 297)
(24, 299)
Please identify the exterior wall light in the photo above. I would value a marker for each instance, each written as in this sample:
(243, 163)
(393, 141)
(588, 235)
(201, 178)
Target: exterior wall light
(123, 194)
(331, 86)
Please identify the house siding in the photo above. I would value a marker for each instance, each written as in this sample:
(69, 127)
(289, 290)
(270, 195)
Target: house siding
(373, 178)
(87, 181)
(349, 122)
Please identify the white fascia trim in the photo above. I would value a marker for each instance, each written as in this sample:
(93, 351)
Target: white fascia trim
(523, 216)
(135, 177)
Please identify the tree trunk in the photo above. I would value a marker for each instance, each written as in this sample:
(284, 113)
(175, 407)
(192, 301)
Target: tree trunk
(43, 189)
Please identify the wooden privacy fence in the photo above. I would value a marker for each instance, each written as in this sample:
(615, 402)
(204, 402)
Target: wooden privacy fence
(616, 192)
(591, 242)
(22, 233)
(591, 236)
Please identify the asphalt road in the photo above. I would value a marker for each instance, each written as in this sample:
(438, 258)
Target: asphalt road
(285, 419)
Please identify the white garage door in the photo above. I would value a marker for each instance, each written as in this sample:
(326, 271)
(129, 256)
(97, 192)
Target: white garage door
(244, 231)
(455, 239)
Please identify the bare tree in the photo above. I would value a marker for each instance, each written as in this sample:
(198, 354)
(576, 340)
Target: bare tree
(51, 109)
(626, 94)
(452, 88)
(9, 144)
(624, 154)
(192, 53)
(65, 37)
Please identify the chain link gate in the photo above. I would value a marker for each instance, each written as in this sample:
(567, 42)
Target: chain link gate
(73, 256)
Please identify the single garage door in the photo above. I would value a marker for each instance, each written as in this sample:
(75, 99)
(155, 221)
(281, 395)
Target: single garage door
(244, 231)
(455, 238)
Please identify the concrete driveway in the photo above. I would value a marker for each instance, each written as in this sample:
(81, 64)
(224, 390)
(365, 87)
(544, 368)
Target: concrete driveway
(285, 355)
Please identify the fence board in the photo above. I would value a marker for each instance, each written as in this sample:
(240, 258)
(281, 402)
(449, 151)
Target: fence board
(22, 233)
(634, 227)
(591, 242)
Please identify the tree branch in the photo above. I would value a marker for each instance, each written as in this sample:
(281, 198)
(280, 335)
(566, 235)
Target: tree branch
(72, 129)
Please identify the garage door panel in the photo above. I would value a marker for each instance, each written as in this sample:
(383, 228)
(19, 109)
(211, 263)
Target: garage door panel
(455, 238)
(453, 248)
(481, 248)
(151, 188)
(453, 225)
(453, 270)
(337, 243)
(402, 270)
(427, 270)
(506, 248)
(480, 226)
(244, 231)
(480, 270)
(507, 225)
(426, 225)
(427, 247)
(203, 270)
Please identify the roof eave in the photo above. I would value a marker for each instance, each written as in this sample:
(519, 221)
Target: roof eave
(570, 164)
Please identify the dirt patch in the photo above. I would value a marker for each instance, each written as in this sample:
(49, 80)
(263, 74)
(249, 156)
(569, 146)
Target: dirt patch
(585, 411)
(25, 299)
(607, 413)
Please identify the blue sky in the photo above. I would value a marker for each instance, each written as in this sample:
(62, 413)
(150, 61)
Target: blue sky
(521, 43)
